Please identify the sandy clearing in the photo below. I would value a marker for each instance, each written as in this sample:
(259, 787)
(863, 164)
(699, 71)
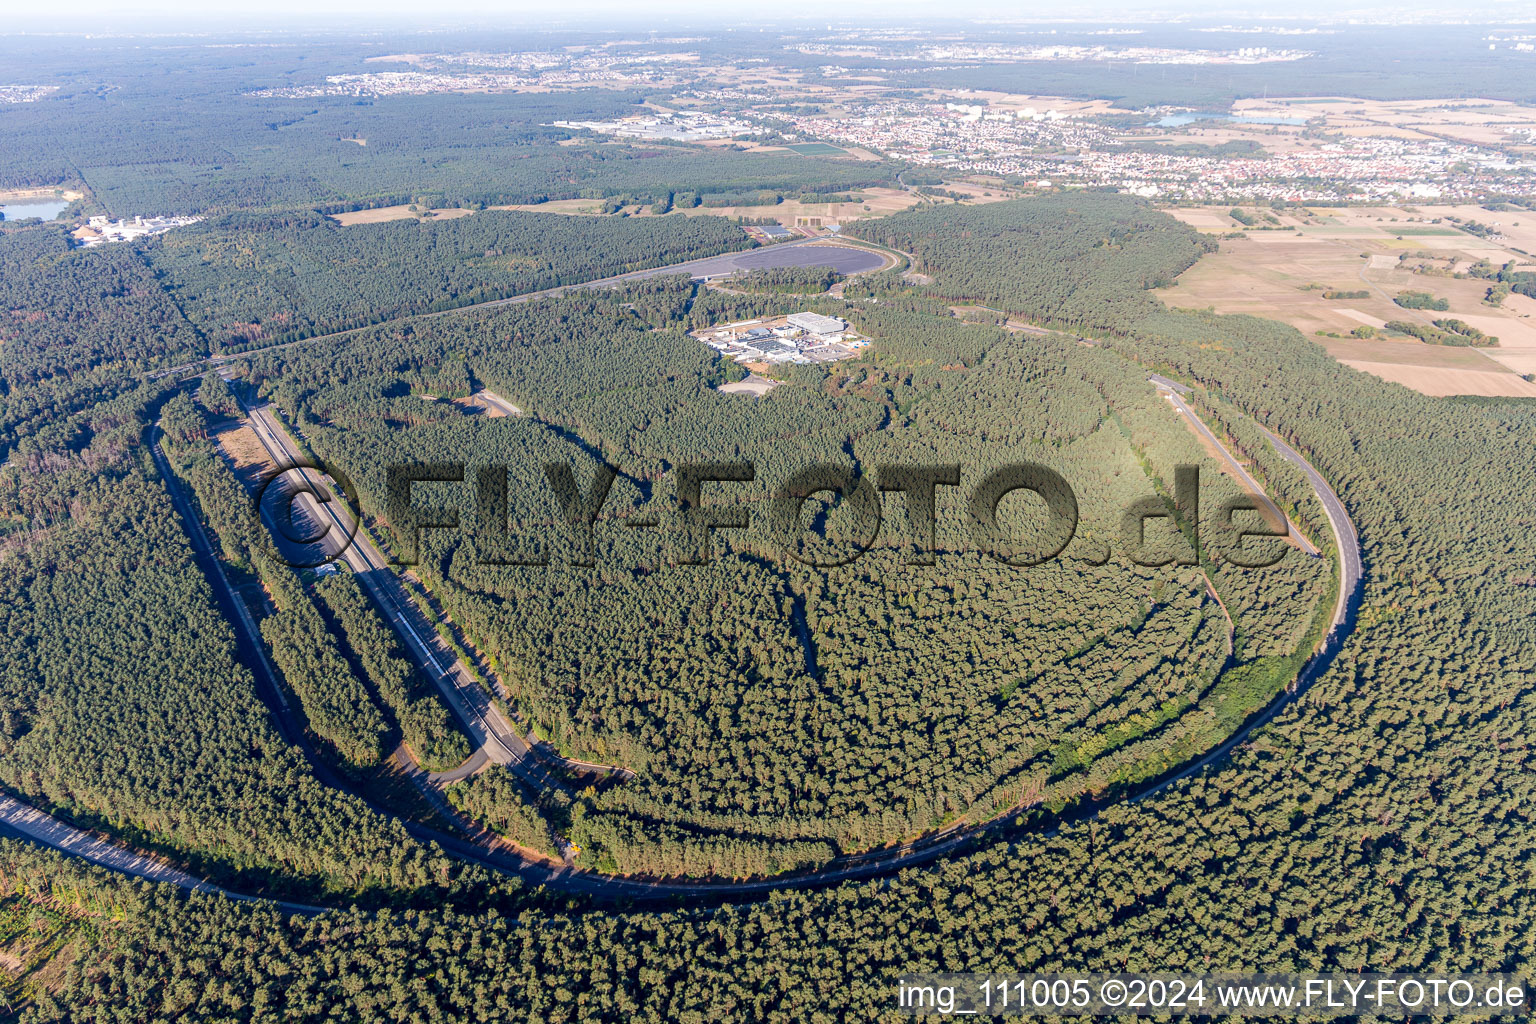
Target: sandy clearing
(17, 195)
(242, 447)
(388, 213)
(1439, 382)
(753, 385)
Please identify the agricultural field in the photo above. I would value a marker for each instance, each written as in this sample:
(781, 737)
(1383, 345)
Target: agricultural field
(815, 149)
(870, 202)
(652, 689)
(1481, 122)
(1289, 271)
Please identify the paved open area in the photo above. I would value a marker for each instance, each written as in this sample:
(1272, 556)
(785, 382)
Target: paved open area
(845, 259)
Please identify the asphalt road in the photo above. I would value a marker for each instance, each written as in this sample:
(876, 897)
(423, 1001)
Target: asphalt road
(1274, 515)
(26, 822)
(847, 868)
(1351, 569)
(488, 727)
(370, 566)
(501, 405)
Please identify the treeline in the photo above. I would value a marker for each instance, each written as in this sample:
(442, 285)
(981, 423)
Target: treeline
(428, 729)
(336, 703)
(1008, 255)
(124, 706)
(792, 280)
(495, 798)
(1506, 279)
(70, 310)
(77, 329)
(707, 681)
(249, 281)
(625, 845)
(1445, 332)
(1421, 300)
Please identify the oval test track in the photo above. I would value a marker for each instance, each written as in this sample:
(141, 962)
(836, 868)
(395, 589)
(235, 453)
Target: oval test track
(50, 832)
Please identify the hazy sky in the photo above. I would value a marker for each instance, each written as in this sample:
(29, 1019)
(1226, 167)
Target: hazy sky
(99, 15)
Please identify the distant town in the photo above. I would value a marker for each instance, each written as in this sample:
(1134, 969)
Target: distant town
(678, 126)
(25, 93)
(1327, 151)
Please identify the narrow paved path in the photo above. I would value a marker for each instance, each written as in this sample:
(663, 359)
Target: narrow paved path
(1238, 469)
(1351, 569)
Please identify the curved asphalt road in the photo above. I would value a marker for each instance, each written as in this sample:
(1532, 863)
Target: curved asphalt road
(48, 831)
(1351, 569)
(1176, 396)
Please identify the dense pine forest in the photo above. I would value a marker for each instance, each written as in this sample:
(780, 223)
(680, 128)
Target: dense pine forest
(756, 668)
(775, 714)
(248, 281)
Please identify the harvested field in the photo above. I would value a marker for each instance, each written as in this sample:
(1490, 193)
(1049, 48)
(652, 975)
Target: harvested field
(570, 206)
(872, 202)
(1480, 122)
(1440, 382)
(816, 149)
(1409, 352)
(1286, 276)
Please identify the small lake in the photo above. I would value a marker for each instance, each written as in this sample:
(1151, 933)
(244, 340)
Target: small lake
(44, 208)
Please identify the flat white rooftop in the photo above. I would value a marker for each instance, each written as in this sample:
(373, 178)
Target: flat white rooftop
(815, 323)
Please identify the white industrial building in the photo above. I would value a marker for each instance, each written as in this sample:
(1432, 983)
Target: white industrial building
(815, 323)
